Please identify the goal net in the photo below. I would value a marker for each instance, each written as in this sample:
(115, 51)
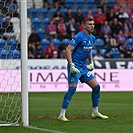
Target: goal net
(11, 96)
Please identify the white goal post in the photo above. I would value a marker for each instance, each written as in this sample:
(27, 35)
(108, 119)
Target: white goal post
(14, 110)
(24, 63)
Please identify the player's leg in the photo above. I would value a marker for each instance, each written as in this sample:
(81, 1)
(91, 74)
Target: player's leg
(90, 80)
(95, 98)
(66, 101)
(72, 81)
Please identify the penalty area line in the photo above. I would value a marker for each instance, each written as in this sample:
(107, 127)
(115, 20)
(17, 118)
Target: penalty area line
(44, 129)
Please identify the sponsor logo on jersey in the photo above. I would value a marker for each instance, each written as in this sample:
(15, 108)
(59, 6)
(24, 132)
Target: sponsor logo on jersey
(86, 48)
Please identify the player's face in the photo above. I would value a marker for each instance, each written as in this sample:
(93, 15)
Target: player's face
(89, 26)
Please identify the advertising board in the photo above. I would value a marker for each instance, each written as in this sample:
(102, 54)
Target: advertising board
(62, 64)
(56, 80)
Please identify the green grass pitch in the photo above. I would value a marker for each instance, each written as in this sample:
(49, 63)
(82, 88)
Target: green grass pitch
(44, 109)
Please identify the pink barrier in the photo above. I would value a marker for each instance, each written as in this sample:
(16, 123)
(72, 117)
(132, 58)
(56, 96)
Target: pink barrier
(56, 80)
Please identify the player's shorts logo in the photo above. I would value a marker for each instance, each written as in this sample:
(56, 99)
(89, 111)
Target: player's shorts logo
(89, 74)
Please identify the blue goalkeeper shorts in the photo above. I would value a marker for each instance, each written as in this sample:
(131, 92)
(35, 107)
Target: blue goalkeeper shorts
(84, 75)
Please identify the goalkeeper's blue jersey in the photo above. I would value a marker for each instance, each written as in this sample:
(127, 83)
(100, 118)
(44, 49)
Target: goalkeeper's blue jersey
(83, 45)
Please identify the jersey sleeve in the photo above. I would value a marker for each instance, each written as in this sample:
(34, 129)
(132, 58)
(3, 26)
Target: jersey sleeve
(75, 41)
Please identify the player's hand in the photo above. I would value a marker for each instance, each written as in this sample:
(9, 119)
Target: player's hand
(73, 69)
(91, 66)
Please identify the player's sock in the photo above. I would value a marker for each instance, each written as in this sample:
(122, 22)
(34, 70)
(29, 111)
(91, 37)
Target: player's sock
(96, 96)
(63, 111)
(95, 110)
(68, 96)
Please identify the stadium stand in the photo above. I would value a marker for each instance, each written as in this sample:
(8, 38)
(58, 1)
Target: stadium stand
(36, 23)
(32, 13)
(66, 41)
(70, 3)
(99, 43)
(11, 44)
(39, 17)
(130, 41)
(44, 43)
(42, 13)
(94, 52)
(2, 44)
(56, 42)
(115, 54)
(41, 32)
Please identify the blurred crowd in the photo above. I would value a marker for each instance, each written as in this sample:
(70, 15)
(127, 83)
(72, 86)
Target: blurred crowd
(113, 24)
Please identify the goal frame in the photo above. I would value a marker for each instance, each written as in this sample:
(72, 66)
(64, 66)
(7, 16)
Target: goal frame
(24, 67)
(24, 62)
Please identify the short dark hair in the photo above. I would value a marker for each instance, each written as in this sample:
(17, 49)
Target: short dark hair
(87, 19)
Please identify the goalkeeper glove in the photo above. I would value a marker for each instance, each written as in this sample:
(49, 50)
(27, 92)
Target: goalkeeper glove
(73, 69)
(91, 65)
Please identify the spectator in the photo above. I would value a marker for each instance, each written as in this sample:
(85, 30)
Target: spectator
(122, 15)
(56, 3)
(61, 51)
(52, 3)
(68, 15)
(105, 29)
(116, 26)
(31, 50)
(125, 49)
(127, 26)
(131, 16)
(51, 30)
(45, 4)
(112, 43)
(110, 15)
(38, 51)
(80, 27)
(49, 51)
(107, 54)
(89, 14)
(117, 6)
(120, 37)
(62, 30)
(121, 56)
(34, 37)
(72, 27)
(99, 18)
(103, 4)
(98, 56)
(61, 4)
(55, 55)
(57, 16)
(8, 29)
(79, 16)
(131, 34)
(132, 54)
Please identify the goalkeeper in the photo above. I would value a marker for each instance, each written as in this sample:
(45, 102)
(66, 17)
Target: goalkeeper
(77, 53)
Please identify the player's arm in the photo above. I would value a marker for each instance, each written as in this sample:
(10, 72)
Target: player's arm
(73, 69)
(91, 65)
(90, 56)
(69, 49)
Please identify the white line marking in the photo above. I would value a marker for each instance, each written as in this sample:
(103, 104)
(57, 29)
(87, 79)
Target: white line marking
(44, 129)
